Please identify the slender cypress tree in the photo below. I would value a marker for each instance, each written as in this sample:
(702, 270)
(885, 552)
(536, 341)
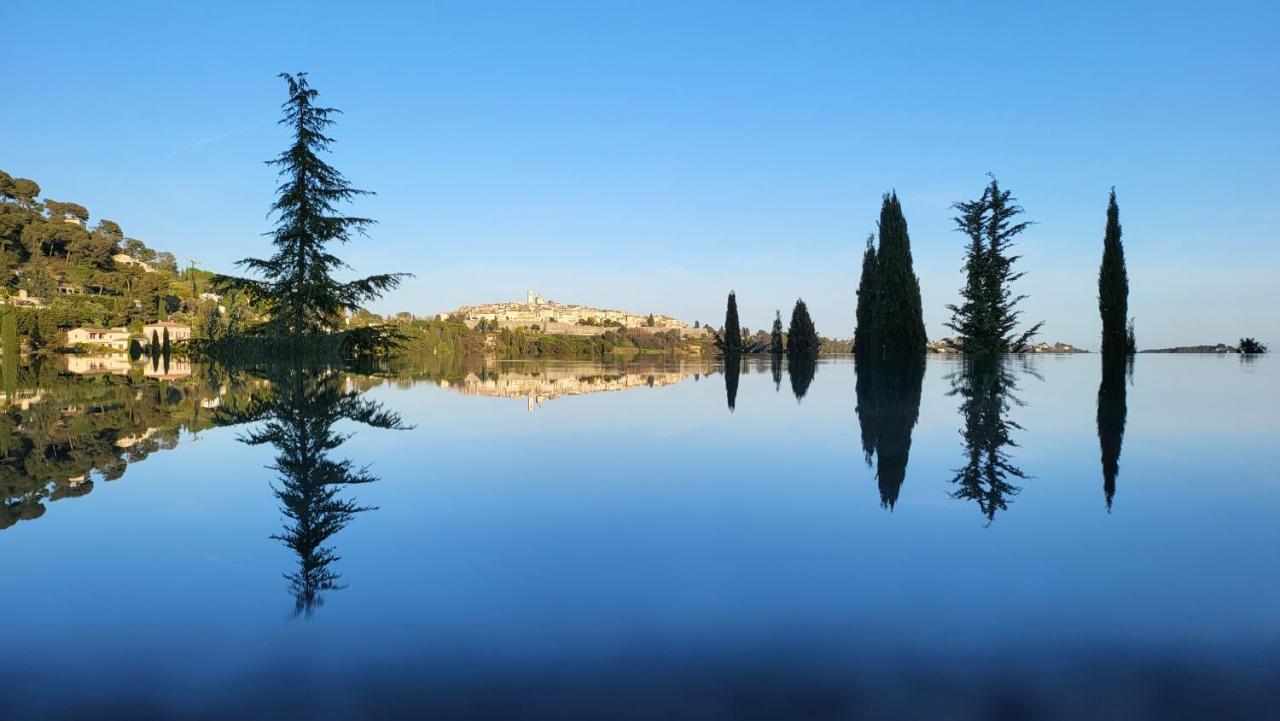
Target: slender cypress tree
(1112, 411)
(897, 318)
(866, 301)
(1113, 285)
(777, 343)
(303, 298)
(987, 317)
(802, 337)
(731, 342)
(155, 343)
(162, 310)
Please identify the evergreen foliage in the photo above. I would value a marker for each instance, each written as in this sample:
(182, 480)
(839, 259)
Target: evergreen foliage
(777, 343)
(302, 298)
(897, 318)
(730, 340)
(1130, 339)
(803, 342)
(986, 386)
(866, 301)
(1251, 346)
(1113, 286)
(986, 319)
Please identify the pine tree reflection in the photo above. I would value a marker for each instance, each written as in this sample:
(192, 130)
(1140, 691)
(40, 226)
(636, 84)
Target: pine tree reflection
(732, 370)
(888, 407)
(775, 368)
(1112, 412)
(986, 387)
(299, 415)
(801, 370)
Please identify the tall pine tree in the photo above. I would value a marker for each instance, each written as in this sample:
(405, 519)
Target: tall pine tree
(730, 341)
(866, 301)
(777, 343)
(803, 342)
(303, 298)
(1113, 286)
(987, 317)
(897, 319)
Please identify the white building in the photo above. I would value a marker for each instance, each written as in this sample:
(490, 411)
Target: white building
(112, 338)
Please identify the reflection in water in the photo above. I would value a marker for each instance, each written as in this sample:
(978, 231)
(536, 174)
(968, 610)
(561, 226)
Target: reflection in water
(299, 415)
(775, 368)
(1112, 409)
(801, 371)
(888, 408)
(60, 432)
(986, 387)
(732, 370)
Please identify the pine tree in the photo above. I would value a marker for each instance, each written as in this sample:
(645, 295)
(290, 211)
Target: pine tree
(897, 319)
(802, 338)
(777, 344)
(1113, 285)
(303, 298)
(987, 317)
(731, 337)
(866, 301)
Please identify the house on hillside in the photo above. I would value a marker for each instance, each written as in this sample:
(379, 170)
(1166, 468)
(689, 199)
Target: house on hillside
(126, 259)
(107, 338)
(177, 332)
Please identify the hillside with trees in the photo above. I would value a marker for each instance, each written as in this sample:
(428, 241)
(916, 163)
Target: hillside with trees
(61, 268)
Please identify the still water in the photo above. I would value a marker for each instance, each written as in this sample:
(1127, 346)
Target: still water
(650, 539)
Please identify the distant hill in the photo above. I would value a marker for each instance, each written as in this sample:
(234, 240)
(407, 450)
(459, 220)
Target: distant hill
(1217, 348)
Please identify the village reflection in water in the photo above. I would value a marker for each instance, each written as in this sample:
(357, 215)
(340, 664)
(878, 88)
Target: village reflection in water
(72, 422)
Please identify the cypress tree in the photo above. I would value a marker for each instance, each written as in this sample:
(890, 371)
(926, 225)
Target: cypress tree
(162, 310)
(9, 333)
(1112, 411)
(897, 319)
(866, 301)
(777, 344)
(802, 338)
(155, 343)
(731, 339)
(303, 299)
(164, 344)
(1113, 285)
(987, 317)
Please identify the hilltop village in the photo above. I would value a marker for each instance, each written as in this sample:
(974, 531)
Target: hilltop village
(540, 314)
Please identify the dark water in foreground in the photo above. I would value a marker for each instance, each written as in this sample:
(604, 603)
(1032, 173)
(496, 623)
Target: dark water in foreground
(1041, 539)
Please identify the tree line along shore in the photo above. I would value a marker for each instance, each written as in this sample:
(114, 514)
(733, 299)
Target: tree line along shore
(59, 273)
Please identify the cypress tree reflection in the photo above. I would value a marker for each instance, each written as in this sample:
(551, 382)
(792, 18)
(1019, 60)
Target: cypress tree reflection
(888, 408)
(299, 417)
(801, 369)
(1112, 411)
(986, 386)
(775, 368)
(732, 370)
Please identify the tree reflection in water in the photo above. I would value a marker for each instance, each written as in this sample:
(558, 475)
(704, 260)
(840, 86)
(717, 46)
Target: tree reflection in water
(732, 370)
(986, 389)
(298, 416)
(888, 407)
(1112, 412)
(801, 371)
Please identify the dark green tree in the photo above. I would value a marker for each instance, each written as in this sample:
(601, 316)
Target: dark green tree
(730, 340)
(897, 320)
(777, 342)
(802, 337)
(297, 287)
(1130, 339)
(1113, 285)
(155, 343)
(1251, 346)
(866, 301)
(986, 319)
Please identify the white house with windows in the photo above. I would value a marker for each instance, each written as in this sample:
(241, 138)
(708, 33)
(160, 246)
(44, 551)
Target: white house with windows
(108, 338)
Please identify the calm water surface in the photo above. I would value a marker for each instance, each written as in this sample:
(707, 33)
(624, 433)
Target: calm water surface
(653, 539)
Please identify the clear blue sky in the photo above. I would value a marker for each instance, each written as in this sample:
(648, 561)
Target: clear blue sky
(652, 156)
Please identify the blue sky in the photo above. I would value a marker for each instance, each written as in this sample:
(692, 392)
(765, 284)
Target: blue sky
(652, 156)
